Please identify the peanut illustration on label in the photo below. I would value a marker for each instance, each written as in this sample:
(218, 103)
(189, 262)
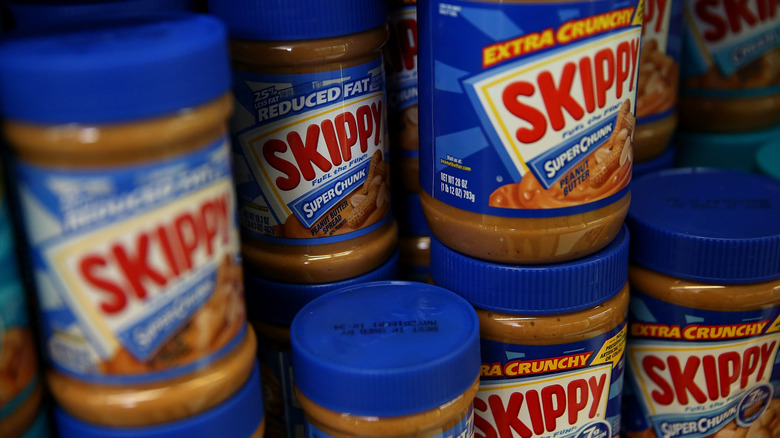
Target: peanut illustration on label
(603, 172)
(218, 321)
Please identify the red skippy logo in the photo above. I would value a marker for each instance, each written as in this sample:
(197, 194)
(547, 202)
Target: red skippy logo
(654, 13)
(706, 377)
(131, 269)
(721, 18)
(540, 409)
(402, 48)
(323, 144)
(600, 78)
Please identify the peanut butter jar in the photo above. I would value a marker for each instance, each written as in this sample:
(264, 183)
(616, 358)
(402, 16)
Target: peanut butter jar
(387, 359)
(271, 307)
(527, 119)
(122, 167)
(730, 76)
(21, 389)
(43, 14)
(552, 340)
(240, 416)
(415, 237)
(704, 325)
(310, 137)
(401, 67)
(659, 75)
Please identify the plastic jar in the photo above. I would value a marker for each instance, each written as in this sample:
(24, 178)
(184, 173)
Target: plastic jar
(44, 14)
(130, 214)
(240, 416)
(705, 305)
(20, 387)
(389, 359)
(729, 78)
(735, 151)
(271, 307)
(401, 69)
(551, 335)
(310, 132)
(659, 75)
(527, 125)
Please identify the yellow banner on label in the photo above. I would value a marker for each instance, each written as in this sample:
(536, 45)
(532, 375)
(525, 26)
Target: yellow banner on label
(775, 327)
(639, 16)
(612, 350)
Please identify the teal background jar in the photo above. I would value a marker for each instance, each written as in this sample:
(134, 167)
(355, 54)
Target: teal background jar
(735, 151)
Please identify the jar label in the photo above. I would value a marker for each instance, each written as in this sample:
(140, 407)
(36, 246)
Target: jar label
(696, 372)
(570, 390)
(731, 49)
(463, 429)
(659, 62)
(311, 163)
(18, 362)
(532, 104)
(137, 267)
(401, 65)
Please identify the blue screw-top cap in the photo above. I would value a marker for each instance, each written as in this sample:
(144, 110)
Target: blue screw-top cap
(706, 225)
(277, 303)
(239, 417)
(43, 14)
(534, 289)
(146, 68)
(282, 20)
(385, 348)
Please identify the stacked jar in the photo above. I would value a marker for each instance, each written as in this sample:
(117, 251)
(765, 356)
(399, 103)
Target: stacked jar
(387, 359)
(311, 156)
(527, 127)
(704, 327)
(659, 74)
(401, 70)
(122, 166)
(21, 391)
(730, 84)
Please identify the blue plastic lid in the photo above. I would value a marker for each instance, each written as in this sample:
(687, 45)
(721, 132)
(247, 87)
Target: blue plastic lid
(238, 417)
(534, 289)
(735, 151)
(707, 225)
(277, 303)
(385, 348)
(144, 69)
(661, 162)
(43, 14)
(283, 20)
